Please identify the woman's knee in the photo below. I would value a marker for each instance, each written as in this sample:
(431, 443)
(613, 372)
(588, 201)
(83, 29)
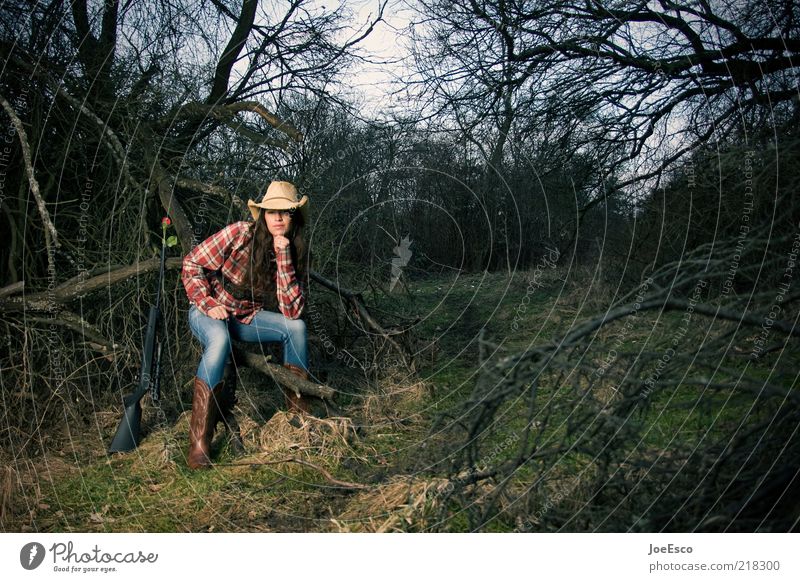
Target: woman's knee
(296, 328)
(218, 349)
(217, 342)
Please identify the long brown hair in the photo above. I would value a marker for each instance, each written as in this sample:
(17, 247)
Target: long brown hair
(259, 278)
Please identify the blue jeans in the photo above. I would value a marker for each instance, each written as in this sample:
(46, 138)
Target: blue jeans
(266, 326)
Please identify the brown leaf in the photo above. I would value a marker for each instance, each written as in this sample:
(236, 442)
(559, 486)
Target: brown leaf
(96, 518)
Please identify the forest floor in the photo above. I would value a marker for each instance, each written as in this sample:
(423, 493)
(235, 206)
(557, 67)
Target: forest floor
(379, 467)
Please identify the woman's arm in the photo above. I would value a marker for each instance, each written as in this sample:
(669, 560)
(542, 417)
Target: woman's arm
(207, 256)
(291, 296)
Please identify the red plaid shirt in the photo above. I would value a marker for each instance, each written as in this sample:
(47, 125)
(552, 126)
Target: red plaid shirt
(227, 252)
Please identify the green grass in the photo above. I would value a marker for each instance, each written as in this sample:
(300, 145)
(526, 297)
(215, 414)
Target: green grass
(153, 490)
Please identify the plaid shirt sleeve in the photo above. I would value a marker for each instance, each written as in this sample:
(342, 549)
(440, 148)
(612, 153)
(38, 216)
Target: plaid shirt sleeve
(291, 298)
(207, 256)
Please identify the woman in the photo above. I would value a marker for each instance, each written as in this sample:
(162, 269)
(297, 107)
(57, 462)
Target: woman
(247, 282)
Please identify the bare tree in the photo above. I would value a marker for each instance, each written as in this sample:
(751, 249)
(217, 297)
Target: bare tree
(641, 83)
(132, 110)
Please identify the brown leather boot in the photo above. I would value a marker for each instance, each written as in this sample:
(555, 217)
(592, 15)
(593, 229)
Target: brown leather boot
(294, 402)
(201, 427)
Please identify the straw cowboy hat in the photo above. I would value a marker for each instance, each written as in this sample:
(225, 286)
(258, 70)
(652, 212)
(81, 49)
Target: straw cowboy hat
(280, 196)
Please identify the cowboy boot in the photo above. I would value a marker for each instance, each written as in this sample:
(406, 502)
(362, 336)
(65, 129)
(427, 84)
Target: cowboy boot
(201, 427)
(226, 402)
(295, 402)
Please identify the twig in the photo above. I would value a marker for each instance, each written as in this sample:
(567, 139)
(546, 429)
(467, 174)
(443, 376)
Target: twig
(328, 477)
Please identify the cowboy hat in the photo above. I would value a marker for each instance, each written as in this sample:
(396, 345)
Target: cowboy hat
(279, 196)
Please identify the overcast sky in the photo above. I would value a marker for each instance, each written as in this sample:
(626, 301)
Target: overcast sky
(386, 46)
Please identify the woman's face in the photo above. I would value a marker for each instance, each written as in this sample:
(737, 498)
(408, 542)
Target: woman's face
(278, 221)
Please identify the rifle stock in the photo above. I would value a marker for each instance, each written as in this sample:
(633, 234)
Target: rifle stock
(129, 429)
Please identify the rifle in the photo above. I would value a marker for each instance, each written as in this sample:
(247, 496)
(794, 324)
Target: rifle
(128, 432)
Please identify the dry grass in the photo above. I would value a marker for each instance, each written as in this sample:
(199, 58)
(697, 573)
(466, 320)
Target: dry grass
(404, 503)
(585, 291)
(7, 480)
(24, 486)
(285, 434)
(164, 448)
(395, 400)
(288, 433)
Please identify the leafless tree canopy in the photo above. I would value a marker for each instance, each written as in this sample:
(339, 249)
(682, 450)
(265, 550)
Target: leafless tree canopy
(638, 82)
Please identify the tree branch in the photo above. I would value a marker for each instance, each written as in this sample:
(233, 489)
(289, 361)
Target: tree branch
(283, 376)
(231, 53)
(227, 111)
(51, 236)
(78, 287)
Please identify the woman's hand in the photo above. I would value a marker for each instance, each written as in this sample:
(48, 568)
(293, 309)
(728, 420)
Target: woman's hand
(218, 312)
(280, 242)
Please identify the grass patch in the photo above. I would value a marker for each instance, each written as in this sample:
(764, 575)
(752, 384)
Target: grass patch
(387, 441)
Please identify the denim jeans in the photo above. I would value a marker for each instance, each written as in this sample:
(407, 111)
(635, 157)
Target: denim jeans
(267, 326)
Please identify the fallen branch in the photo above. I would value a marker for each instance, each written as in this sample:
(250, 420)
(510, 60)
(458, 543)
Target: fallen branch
(77, 287)
(283, 376)
(166, 193)
(199, 186)
(92, 336)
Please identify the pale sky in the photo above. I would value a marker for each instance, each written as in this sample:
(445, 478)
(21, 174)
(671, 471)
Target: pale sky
(385, 45)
